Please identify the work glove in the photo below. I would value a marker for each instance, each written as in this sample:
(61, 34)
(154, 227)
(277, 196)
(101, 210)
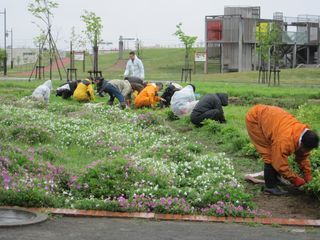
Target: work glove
(298, 181)
(308, 178)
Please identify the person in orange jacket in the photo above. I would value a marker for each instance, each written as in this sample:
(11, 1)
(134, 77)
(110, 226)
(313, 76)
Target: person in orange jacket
(277, 134)
(148, 96)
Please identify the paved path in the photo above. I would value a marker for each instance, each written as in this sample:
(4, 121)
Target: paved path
(60, 228)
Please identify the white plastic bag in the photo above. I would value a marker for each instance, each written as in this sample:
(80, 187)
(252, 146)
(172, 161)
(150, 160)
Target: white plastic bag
(42, 93)
(183, 101)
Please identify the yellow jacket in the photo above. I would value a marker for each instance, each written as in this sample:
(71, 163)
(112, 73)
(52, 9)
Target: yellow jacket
(147, 97)
(84, 91)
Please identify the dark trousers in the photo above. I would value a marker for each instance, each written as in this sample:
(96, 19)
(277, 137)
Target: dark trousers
(113, 93)
(270, 176)
(197, 118)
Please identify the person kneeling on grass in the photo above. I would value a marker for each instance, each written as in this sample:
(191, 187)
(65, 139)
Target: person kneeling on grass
(66, 90)
(148, 96)
(84, 91)
(42, 92)
(120, 89)
(168, 93)
(277, 134)
(210, 107)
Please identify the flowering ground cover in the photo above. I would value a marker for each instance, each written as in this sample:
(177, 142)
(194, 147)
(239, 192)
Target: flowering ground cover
(98, 157)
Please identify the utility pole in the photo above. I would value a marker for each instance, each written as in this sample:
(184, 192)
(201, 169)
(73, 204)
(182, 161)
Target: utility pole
(5, 42)
(11, 48)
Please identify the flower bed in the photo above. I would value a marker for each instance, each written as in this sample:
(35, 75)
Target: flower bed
(98, 157)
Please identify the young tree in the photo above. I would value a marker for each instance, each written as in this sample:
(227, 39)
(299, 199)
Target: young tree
(268, 40)
(43, 10)
(93, 32)
(188, 42)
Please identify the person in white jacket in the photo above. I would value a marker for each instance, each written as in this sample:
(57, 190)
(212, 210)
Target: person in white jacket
(134, 67)
(183, 101)
(42, 92)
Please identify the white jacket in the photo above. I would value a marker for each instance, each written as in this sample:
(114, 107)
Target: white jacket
(43, 91)
(183, 101)
(134, 68)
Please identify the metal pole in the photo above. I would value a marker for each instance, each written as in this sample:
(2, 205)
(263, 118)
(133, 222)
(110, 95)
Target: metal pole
(5, 43)
(11, 48)
(240, 45)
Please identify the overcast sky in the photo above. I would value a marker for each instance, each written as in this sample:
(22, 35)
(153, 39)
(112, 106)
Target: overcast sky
(152, 21)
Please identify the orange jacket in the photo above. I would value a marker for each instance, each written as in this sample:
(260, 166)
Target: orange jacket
(147, 97)
(279, 138)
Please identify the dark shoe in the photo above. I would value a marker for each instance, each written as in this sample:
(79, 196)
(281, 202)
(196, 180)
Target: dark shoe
(276, 191)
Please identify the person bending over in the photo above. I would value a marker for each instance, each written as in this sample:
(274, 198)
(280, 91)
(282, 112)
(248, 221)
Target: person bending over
(210, 107)
(120, 89)
(84, 91)
(148, 96)
(276, 134)
(168, 93)
(67, 89)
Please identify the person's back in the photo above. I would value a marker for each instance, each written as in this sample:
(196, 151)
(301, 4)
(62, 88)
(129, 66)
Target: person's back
(84, 91)
(210, 107)
(67, 89)
(148, 96)
(277, 124)
(43, 91)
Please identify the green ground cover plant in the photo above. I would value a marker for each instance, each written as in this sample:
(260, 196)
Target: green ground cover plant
(99, 157)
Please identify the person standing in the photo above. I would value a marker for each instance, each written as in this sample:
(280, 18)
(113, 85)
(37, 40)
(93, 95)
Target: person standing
(276, 134)
(134, 67)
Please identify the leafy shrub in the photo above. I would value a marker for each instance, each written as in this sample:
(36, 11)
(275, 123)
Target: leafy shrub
(30, 198)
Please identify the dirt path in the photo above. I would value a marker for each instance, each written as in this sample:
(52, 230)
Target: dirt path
(296, 205)
(65, 62)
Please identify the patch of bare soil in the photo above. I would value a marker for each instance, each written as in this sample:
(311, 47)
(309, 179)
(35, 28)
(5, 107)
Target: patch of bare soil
(297, 204)
(119, 65)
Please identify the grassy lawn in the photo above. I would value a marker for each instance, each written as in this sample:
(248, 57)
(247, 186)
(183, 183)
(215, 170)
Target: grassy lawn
(166, 64)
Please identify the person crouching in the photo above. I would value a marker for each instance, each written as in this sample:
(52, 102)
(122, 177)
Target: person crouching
(84, 91)
(209, 107)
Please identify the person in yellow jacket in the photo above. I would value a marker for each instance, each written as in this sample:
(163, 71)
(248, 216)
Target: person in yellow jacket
(84, 91)
(148, 96)
(277, 134)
